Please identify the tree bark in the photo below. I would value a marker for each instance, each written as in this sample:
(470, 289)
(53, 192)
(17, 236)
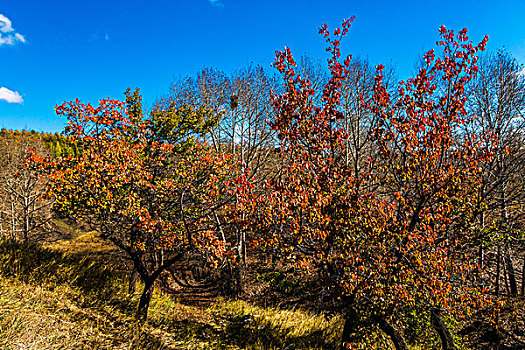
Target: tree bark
(132, 286)
(394, 334)
(498, 259)
(510, 271)
(505, 279)
(523, 279)
(350, 322)
(241, 269)
(447, 342)
(149, 281)
(145, 298)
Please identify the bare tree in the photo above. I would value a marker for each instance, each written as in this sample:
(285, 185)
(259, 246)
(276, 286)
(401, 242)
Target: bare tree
(241, 102)
(358, 122)
(498, 99)
(313, 70)
(24, 213)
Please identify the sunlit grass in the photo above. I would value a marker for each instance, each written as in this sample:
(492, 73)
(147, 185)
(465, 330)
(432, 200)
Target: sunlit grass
(34, 317)
(262, 328)
(60, 298)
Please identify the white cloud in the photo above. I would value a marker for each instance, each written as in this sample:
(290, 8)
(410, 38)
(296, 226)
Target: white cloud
(10, 96)
(216, 3)
(8, 35)
(5, 24)
(20, 37)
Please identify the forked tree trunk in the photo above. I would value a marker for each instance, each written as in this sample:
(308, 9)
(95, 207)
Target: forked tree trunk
(447, 342)
(149, 281)
(396, 337)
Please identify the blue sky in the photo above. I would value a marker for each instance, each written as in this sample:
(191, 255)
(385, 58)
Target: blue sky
(54, 51)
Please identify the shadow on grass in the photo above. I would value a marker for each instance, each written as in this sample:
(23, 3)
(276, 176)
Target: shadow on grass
(33, 263)
(235, 332)
(101, 283)
(245, 331)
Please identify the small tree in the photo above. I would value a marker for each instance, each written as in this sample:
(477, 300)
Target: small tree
(386, 236)
(144, 185)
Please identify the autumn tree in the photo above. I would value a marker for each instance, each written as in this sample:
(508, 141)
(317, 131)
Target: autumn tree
(146, 185)
(386, 236)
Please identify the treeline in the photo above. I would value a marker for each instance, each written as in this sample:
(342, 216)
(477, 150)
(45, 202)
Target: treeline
(54, 143)
(400, 203)
(25, 213)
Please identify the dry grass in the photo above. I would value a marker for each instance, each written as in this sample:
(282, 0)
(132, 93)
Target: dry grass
(61, 297)
(264, 328)
(34, 317)
(68, 296)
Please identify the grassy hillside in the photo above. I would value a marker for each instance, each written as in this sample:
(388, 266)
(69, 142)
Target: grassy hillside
(72, 295)
(34, 317)
(65, 297)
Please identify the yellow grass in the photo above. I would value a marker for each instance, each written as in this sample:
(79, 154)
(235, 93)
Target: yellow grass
(51, 299)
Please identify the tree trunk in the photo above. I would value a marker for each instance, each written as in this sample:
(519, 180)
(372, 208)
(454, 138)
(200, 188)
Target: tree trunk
(347, 331)
(13, 219)
(481, 248)
(447, 342)
(132, 286)
(505, 279)
(481, 256)
(498, 259)
(241, 270)
(523, 279)
(25, 228)
(350, 322)
(145, 298)
(510, 271)
(394, 334)
(149, 281)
